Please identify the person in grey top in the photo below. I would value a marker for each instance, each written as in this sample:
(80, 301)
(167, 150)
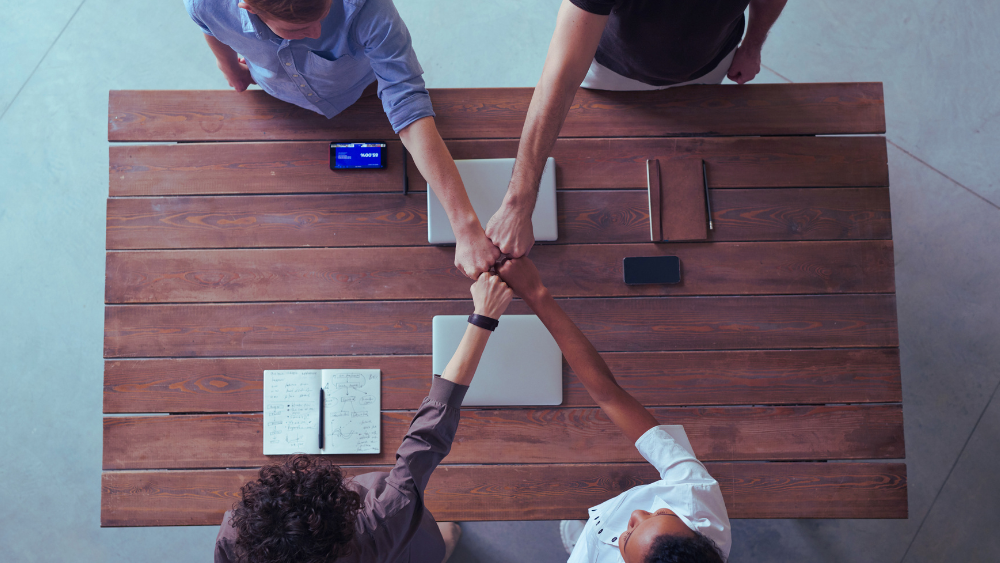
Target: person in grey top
(307, 511)
(323, 55)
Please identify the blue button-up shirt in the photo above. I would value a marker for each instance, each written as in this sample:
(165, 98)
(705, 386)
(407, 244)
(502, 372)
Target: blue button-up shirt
(362, 41)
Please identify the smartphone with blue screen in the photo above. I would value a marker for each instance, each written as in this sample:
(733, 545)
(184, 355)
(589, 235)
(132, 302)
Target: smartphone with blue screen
(354, 156)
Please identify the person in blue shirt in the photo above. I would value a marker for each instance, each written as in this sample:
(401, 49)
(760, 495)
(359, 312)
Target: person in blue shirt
(323, 55)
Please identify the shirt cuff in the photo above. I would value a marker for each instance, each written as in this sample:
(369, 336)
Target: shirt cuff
(414, 108)
(447, 392)
(651, 444)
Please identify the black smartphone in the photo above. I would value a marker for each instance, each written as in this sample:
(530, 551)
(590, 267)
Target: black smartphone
(348, 156)
(652, 269)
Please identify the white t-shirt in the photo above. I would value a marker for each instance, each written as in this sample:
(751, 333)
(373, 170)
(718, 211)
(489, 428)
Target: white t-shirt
(685, 487)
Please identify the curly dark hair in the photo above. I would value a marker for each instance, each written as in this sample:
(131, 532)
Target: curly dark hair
(298, 511)
(684, 549)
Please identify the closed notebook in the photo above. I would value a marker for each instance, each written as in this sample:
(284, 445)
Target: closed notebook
(322, 411)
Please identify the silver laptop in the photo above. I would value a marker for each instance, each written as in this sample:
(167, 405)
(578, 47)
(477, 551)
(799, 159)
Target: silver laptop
(522, 364)
(486, 183)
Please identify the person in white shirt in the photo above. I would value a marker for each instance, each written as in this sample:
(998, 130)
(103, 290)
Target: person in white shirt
(680, 518)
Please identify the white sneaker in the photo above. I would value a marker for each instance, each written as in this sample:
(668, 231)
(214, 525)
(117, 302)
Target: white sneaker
(570, 531)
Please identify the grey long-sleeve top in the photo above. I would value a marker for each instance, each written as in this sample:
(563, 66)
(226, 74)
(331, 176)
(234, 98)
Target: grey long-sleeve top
(393, 525)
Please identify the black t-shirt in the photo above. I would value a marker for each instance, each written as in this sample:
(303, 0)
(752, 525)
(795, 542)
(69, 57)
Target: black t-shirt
(663, 42)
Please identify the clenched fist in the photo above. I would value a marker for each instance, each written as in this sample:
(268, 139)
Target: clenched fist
(491, 295)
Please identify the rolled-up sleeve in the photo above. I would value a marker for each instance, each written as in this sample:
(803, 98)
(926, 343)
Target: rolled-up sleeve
(192, 7)
(388, 46)
(667, 448)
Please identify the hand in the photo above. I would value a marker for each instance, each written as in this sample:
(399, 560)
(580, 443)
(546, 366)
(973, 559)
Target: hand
(238, 75)
(511, 231)
(474, 253)
(522, 276)
(491, 295)
(745, 65)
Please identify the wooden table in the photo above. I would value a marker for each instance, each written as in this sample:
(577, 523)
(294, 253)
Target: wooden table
(237, 250)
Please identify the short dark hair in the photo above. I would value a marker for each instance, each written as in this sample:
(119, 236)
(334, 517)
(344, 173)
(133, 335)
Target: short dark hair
(299, 511)
(684, 549)
(291, 11)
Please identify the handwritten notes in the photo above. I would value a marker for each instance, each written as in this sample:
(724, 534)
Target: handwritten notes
(291, 411)
(351, 411)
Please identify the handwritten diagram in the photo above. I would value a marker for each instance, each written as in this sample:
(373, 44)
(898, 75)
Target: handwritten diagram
(353, 407)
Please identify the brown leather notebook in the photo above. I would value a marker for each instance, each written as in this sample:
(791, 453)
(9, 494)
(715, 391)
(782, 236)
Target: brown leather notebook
(677, 207)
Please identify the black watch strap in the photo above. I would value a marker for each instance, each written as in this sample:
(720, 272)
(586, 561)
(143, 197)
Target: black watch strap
(484, 322)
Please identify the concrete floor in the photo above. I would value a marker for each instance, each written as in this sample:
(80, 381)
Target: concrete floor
(938, 63)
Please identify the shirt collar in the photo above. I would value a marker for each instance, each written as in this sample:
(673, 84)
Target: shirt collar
(253, 24)
(612, 519)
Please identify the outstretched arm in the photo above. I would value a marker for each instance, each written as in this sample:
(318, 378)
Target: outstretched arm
(746, 61)
(573, 45)
(622, 408)
(491, 297)
(474, 253)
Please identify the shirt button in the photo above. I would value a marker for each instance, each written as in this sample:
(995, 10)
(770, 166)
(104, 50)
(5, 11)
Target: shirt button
(295, 76)
(288, 64)
(309, 93)
(614, 539)
(599, 531)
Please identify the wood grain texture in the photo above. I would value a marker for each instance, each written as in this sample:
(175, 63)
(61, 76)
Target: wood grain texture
(404, 327)
(531, 435)
(538, 492)
(758, 377)
(481, 113)
(304, 167)
(395, 220)
(343, 274)
(244, 168)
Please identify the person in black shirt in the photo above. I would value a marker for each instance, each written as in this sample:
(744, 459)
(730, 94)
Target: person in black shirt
(624, 45)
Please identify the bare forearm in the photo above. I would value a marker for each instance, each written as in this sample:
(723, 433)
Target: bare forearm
(550, 104)
(463, 364)
(571, 50)
(621, 407)
(763, 14)
(579, 352)
(224, 54)
(434, 161)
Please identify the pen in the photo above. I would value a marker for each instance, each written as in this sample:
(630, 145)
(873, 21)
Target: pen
(321, 418)
(708, 201)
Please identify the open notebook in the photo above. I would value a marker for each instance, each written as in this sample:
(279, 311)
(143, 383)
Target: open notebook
(328, 411)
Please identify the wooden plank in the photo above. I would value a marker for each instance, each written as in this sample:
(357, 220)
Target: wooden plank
(343, 274)
(404, 327)
(245, 168)
(396, 220)
(539, 435)
(535, 492)
(304, 167)
(481, 113)
(757, 377)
